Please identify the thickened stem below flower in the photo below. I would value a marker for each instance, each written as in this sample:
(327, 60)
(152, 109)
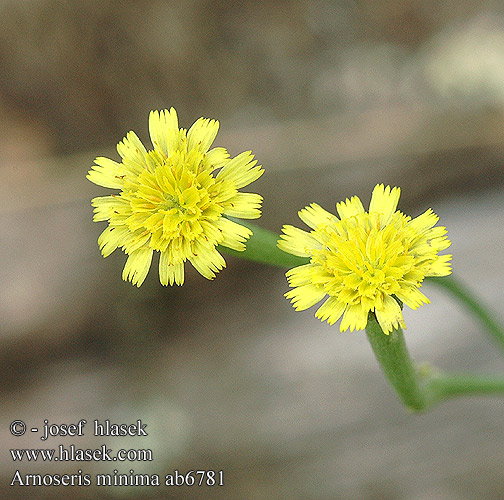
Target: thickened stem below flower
(395, 361)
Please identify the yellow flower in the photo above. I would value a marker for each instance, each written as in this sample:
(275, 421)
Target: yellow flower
(174, 199)
(364, 261)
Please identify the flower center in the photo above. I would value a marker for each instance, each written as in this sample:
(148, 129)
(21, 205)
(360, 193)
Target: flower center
(170, 202)
(363, 259)
(173, 200)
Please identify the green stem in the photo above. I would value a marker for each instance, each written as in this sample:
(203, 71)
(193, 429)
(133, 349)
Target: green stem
(419, 391)
(395, 361)
(466, 297)
(443, 386)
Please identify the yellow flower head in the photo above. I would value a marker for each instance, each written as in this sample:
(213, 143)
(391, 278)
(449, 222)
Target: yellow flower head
(173, 200)
(364, 261)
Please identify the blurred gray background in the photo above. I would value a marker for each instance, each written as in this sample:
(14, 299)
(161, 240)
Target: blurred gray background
(332, 97)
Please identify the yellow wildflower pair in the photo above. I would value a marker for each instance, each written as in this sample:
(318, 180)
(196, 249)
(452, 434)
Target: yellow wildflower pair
(176, 198)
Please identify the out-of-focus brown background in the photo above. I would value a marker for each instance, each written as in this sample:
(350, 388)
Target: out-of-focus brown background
(332, 97)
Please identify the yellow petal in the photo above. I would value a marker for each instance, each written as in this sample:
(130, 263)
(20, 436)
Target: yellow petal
(350, 207)
(384, 201)
(355, 318)
(305, 296)
(390, 315)
(137, 266)
(301, 275)
(233, 235)
(244, 205)
(215, 158)
(331, 310)
(170, 273)
(423, 222)
(241, 170)
(132, 149)
(202, 134)
(441, 266)
(207, 261)
(111, 238)
(314, 215)
(164, 130)
(107, 173)
(411, 296)
(106, 207)
(297, 242)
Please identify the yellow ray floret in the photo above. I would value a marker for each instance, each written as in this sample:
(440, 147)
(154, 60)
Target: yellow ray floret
(364, 262)
(174, 199)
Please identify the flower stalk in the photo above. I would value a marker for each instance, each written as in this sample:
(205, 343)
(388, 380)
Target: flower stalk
(397, 365)
(421, 389)
(445, 386)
